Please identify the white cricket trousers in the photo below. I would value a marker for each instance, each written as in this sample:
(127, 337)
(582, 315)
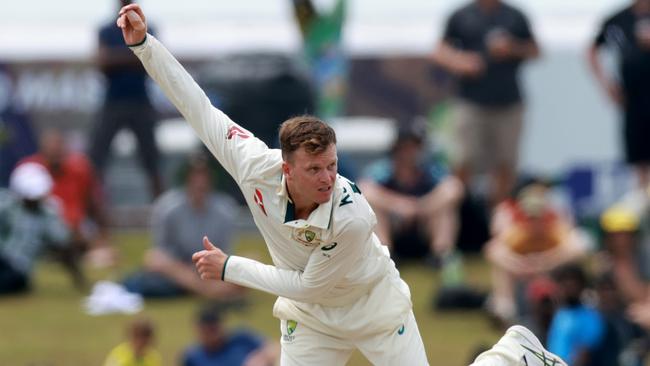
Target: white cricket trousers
(303, 346)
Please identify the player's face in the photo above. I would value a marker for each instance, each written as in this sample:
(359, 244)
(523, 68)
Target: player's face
(311, 177)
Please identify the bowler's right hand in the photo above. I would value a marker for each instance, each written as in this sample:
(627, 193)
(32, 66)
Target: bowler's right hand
(133, 24)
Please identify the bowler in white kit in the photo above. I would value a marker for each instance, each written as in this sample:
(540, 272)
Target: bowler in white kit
(338, 290)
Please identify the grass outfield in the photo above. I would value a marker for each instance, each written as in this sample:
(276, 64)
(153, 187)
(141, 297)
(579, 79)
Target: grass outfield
(49, 327)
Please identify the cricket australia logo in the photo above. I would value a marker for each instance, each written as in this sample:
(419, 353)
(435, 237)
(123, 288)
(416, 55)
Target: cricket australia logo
(291, 327)
(306, 237)
(237, 131)
(259, 200)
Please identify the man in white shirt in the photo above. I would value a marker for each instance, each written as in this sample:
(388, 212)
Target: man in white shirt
(338, 288)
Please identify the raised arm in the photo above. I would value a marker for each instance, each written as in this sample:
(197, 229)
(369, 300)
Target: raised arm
(238, 151)
(327, 265)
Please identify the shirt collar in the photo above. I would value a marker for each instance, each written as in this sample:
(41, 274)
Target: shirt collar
(320, 217)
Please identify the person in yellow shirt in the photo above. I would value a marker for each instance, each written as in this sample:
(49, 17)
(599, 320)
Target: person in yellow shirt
(138, 350)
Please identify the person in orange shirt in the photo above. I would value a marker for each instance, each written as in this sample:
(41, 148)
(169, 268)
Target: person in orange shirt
(77, 187)
(530, 237)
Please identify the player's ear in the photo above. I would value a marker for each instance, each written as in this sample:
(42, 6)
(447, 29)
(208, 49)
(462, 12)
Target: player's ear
(286, 168)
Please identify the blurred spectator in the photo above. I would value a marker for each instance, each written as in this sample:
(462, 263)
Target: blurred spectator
(621, 337)
(323, 49)
(180, 218)
(77, 187)
(483, 45)
(577, 329)
(219, 346)
(29, 222)
(627, 33)
(530, 237)
(415, 203)
(126, 104)
(138, 350)
(16, 136)
(627, 238)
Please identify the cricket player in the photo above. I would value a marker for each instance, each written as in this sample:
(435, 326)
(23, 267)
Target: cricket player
(338, 290)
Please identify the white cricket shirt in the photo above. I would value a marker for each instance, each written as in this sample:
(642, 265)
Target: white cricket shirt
(332, 259)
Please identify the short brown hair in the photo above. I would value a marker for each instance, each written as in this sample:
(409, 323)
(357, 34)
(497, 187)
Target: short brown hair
(305, 131)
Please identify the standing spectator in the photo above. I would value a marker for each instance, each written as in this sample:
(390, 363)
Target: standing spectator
(627, 33)
(77, 187)
(415, 203)
(126, 104)
(138, 350)
(29, 222)
(218, 346)
(483, 45)
(16, 135)
(322, 34)
(179, 219)
(577, 329)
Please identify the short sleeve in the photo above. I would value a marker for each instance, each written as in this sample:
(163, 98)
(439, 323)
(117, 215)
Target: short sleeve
(600, 39)
(451, 31)
(522, 28)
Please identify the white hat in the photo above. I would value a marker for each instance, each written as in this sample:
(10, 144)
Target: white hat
(31, 181)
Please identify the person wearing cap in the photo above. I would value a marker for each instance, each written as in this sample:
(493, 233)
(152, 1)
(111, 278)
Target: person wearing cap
(28, 223)
(416, 203)
(219, 346)
(627, 239)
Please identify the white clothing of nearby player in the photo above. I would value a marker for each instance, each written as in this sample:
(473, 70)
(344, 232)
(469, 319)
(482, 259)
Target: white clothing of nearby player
(338, 288)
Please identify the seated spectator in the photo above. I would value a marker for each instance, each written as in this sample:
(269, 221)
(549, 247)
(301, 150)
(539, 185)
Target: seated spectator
(577, 329)
(77, 187)
(28, 223)
(219, 346)
(138, 350)
(180, 219)
(416, 205)
(627, 239)
(530, 237)
(621, 337)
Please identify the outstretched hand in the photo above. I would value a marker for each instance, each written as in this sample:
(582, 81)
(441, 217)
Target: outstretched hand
(133, 24)
(210, 261)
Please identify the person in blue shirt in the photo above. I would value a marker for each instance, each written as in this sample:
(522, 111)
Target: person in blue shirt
(416, 203)
(219, 346)
(577, 329)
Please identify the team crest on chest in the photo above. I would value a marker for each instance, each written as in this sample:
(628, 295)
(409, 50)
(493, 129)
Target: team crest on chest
(306, 237)
(259, 200)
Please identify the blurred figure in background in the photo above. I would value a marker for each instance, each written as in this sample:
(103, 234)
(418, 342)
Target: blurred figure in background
(483, 45)
(29, 223)
(416, 204)
(627, 33)
(138, 350)
(219, 346)
(180, 218)
(530, 238)
(16, 135)
(126, 104)
(577, 329)
(623, 341)
(322, 34)
(627, 238)
(78, 189)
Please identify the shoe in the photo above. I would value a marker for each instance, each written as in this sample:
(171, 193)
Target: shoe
(518, 347)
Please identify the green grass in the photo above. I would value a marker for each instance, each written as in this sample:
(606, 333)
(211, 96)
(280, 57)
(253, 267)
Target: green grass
(49, 327)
